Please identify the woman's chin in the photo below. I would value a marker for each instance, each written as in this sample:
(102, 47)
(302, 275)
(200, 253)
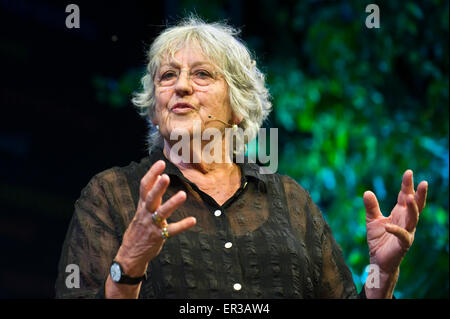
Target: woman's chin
(184, 120)
(185, 127)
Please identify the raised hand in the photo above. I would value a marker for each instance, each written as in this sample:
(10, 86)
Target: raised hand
(143, 238)
(389, 238)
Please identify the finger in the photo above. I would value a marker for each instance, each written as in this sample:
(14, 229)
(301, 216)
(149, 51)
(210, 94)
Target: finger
(181, 226)
(406, 188)
(413, 214)
(154, 196)
(408, 182)
(401, 233)
(166, 209)
(421, 195)
(150, 177)
(372, 206)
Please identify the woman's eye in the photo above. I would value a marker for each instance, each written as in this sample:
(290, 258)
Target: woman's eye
(202, 74)
(168, 75)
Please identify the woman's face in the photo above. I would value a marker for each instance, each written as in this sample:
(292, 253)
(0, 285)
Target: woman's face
(189, 89)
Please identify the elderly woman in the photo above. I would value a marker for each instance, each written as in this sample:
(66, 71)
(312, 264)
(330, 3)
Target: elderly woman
(174, 227)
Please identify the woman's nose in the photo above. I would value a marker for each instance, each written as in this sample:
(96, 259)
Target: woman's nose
(183, 86)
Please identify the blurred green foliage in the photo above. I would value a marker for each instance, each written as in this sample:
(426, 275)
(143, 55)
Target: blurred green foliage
(116, 92)
(355, 108)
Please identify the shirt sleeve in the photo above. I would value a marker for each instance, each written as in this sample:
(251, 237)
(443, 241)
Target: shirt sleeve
(335, 279)
(90, 245)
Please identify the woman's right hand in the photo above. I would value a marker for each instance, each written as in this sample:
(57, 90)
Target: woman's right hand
(143, 240)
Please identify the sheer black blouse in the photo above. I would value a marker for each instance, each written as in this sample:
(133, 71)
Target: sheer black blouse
(267, 241)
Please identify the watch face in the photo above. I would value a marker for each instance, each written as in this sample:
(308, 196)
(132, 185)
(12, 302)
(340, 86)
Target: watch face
(115, 272)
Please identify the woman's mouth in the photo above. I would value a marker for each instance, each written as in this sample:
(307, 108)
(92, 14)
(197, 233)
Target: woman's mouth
(181, 108)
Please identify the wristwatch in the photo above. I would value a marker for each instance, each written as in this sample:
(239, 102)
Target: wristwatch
(118, 276)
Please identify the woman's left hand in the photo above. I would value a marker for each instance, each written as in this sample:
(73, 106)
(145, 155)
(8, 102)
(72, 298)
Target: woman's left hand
(389, 238)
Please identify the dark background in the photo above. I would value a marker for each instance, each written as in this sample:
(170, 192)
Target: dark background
(66, 115)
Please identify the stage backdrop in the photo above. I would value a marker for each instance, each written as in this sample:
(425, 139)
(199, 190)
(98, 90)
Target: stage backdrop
(355, 107)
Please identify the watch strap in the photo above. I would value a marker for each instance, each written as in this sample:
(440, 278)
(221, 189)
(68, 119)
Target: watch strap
(125, 279)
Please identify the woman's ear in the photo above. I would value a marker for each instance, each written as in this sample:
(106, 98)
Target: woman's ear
(155, 124)
(236, 118)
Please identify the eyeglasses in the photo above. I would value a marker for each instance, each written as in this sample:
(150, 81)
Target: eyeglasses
(199, 76)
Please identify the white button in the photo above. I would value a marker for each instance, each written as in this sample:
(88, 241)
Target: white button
(217, 213)
(237, 286)
(228, 245)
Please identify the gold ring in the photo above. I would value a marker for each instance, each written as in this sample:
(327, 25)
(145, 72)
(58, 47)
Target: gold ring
(156, 219)
(165, 233)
